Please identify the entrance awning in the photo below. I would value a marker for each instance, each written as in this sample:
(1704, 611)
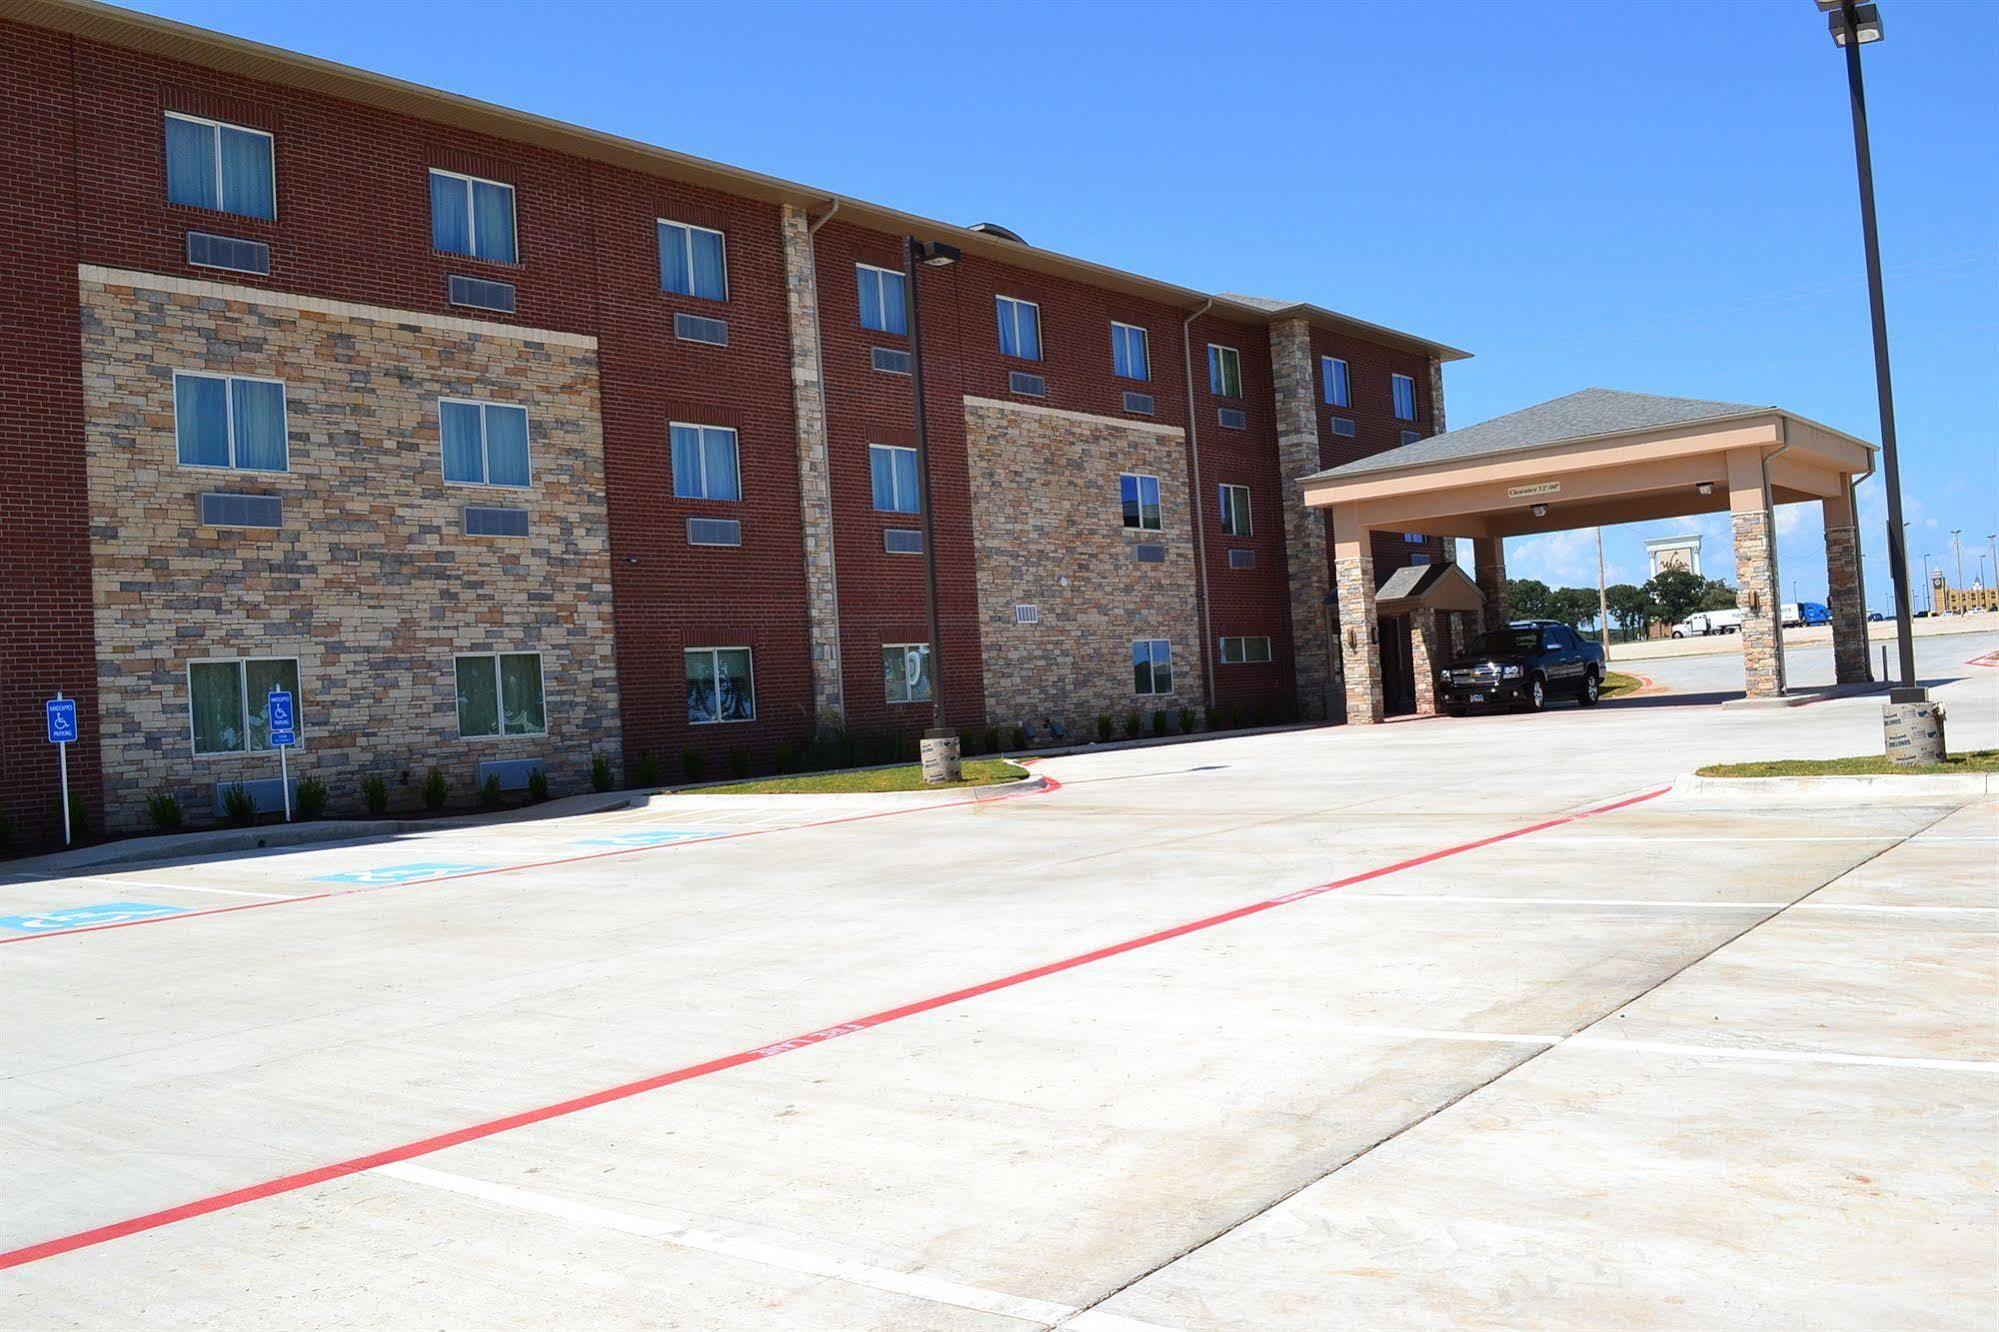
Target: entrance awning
(1436, 587)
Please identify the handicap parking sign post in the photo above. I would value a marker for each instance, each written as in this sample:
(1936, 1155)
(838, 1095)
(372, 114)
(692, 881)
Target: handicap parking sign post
(284, 735)
(61, 715)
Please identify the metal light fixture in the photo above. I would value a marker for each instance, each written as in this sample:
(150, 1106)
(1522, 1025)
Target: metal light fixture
(1540, 511)
(1866, 21)
(1705, 487)
(935, 254)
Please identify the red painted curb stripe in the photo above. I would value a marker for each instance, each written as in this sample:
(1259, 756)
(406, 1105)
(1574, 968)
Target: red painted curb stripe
(1048, 784)
(425, 1146)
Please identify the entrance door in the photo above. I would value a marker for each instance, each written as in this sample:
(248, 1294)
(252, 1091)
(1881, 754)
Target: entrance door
(1398, 677)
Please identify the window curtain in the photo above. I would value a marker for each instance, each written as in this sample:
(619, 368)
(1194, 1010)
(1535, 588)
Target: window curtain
(463, 458)
(520, 694)
(881, 466)
(201, 420)
(246, 174)
(894, 304)
(687, 463)
(493, 220)
(701, 705)
(674, 271)
(871, 298)
(710, 280)
(191, 163)
(450, 214)
(259, 679)
(506, 446)
(1009, 327)
(478, 697)
(719, 450)
(735, 700)
(1030, 332)
(260, 424)
(215, 695)
(908, 494)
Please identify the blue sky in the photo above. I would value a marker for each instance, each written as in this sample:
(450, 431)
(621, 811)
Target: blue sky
(1655, 195)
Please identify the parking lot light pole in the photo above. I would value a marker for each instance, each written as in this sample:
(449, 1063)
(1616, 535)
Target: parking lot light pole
(941, 754)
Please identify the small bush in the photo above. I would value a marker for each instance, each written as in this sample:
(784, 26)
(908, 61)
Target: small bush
(739, 763)
(783, 758)
(1236, 716)
(489, 794)
(1187, 721)
(992, 740)
(1159, 721)
(600, 772)
(693, 763)
(1133, 726)
(434, 790)
(1214, 719)
(375, 793)
(1103, 726)
(311, 801)
(6, 830)
(648, 770)
(1262, 713)
(239, 805)
(538, 785)
(164, 806)
(1020, 737)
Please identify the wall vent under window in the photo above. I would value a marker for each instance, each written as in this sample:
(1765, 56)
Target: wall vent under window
(700, 328)
(226, 252)
(714, 532)
(902, 540)
(1343, 427)
(1149, 552)
(224, 510)
(483, 521)
(1239, 558)
(891, 361)
(1019, 381)
(1140, 403)
(1411, 436)
(1027, 615)
(1232, 418)
(481, 294)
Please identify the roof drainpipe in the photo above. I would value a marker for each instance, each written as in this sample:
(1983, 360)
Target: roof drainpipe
(1200, 523)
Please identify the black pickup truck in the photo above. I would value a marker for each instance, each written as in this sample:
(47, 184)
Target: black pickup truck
(1523, 666)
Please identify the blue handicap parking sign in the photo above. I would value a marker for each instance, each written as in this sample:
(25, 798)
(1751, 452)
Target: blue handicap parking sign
(61, 714)
(74, 918)
(398, 873)
(283, 731)
(660, 837)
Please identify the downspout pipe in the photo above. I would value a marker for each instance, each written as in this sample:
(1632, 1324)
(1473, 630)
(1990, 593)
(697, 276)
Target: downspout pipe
(1199, 505)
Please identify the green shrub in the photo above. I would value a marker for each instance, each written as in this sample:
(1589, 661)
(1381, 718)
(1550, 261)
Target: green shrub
(693, 763)
(600, 772)
(164, 806)
(434, 790)
(311, 800)
(992, 740)
(1133, 726)
(1103, 726)
(648, 771)
(968, 743)
(1262, 713)
(375, 793)
(782, 758)
(1214, 718)
(79, 817)
(1159, 722)
(239, 805)
(1236, 715)
(1020, 737)
(489, 794)
(538, 785)
(739, 763)
(6, 830)
(1187, 721)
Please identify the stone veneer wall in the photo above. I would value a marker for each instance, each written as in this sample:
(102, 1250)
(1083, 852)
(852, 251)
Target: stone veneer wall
(1756, 582)
(815, 487)
(1360, 638)
(1845, 599)
(1045, 507)
(370, 583)
(1294, 378)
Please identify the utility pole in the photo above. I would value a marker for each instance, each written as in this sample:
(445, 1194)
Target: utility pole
(1955, 534)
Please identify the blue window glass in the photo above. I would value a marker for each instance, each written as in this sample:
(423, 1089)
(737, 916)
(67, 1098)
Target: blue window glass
(892, 468)
(1405, 398)
(705, 463)
(883, 307)
(484, 443)
(1130, 353)
(223, 421)
(1019, 328)
(1333, 382)
(692, 261)
(1224, 371)
(1139, 496)
(472, 216)
(224, 167)
(1151, 666)
(201, 419)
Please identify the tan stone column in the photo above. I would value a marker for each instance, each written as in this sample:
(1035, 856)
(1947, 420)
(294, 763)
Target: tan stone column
(1489, 554)
(1756, 576)
(815, 488)
(1426, 653)
(1360, 648)
(1304, 527)
(1843, 595)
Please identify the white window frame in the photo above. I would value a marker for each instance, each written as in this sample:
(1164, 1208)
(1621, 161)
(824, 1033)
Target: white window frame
(1145, 346)
(217, 126)
(499, 697)
(1344, 378)
(928, 661)
(1158, 503)
(712, 650)
(1394, 384)
(472, 214)
(1242, 657)
(1001, 301)
(243, 702)
(882, 295)
(229, 418)
(672, 426)
(485, 460)
(904, 448)
(1152, 669)
(693, 227)
(1236, 355)
(1227, 502)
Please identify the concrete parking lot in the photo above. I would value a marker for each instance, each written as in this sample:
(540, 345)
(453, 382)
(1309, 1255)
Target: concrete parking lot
(1445, 1023)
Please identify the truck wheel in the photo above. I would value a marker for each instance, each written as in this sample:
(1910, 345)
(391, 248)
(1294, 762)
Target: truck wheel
(1678, 633)
(1591, 690)
(1537, 695)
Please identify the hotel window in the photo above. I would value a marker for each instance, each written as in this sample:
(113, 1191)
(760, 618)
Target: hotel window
(230, 421)
(896, 486)
(719, 688)
(1151, 666)
(485, 444)
(499, 693)
(1131, 356)
(1235, 511)
(471, 216)
(1224, 371)
(705, 463)
(1334, 382)
(1140, 495)
(1245, 651)
(906, 672)
(692, 261)
(227, 702)
(223, 167)
(1019, 328)
(1405, 398)
(883, 307)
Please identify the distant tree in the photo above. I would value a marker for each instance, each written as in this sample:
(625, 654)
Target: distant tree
(1529, 599)
(1630, 608)
(1717, 595)
(1573, 606)
(1674, 594)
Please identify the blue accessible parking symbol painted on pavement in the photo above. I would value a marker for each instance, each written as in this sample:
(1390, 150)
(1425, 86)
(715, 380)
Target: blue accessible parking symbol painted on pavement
(661, 837)
(76, 918)
(399, 873)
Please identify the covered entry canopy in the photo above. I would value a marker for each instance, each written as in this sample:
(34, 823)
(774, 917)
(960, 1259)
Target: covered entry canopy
(1598, 458)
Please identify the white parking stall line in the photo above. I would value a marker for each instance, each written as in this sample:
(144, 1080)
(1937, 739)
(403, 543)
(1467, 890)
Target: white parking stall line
(1674, 1048)
(152, 885)
(1663, 904)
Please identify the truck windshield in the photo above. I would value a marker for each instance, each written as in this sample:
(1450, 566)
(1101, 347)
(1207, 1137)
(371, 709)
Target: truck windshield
(1502, 642)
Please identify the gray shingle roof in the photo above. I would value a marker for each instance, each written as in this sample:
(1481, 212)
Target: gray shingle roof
(1584, 415)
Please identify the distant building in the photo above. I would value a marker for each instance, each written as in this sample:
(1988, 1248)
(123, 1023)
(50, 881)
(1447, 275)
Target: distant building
(1673, 552)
